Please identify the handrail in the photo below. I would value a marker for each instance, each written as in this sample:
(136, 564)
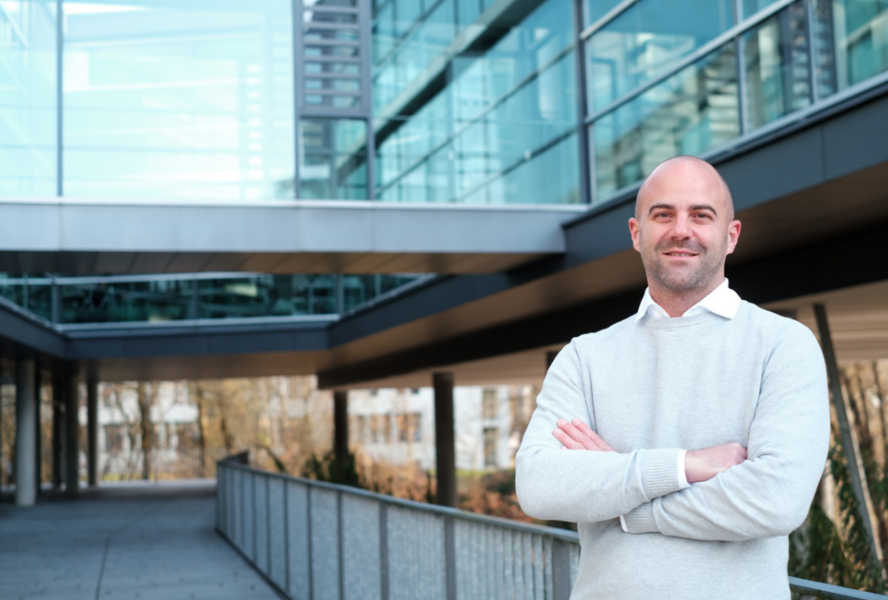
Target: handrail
(437, 551)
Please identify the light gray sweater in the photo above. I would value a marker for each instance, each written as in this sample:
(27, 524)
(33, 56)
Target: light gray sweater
(655, 387)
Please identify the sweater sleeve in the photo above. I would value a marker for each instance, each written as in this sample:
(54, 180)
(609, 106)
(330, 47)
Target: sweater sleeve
(769, 494)
(582, 486)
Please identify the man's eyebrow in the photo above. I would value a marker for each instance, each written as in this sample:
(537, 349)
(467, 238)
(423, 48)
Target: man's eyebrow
(660, 206)
(705, 207)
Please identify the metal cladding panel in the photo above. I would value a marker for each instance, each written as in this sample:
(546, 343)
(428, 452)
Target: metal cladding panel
(362, 577)
(298, 553)
(416, 555)
(324, 545)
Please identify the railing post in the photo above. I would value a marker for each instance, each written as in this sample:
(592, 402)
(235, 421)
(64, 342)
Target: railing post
(450, 558)
(287, 537)
(339, 545)
(308, 534)
(268, 524)
(561, 583)
(383, 550)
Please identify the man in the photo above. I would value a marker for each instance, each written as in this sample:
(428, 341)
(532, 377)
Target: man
(689, 438)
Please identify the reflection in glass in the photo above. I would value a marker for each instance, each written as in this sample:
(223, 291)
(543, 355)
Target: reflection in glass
(28, 98)
(777, 72)
(33, 295)
(358, 289)
(266, 296)
(116, 301)
(691, 112)
(856, 33)
(406, 40)
(178, 101)
(499, 131)
(646, 40)
(332, 158)
(750, 7)
(595, 9)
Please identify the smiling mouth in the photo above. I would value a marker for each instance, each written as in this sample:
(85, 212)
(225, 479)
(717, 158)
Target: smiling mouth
(680, 254)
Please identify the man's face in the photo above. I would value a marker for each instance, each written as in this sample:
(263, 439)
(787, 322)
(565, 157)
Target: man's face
(683, 228)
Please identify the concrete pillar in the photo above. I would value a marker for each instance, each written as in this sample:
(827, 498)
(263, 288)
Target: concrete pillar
(38, 431)
(58, 431)
(25, 411)
(72, 436)
(92, 427)
(444, 438)
(340, 426)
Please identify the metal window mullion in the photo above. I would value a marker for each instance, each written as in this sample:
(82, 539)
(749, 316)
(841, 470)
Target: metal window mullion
(60, 40)
(296, 8)
(287, 538)
(810, 22)
(310, 543)
(612, 14)
(581, 104)
(366, 55)
(741, 84)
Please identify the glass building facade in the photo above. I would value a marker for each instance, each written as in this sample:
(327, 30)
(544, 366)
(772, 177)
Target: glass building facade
(421, 101)
(465, 101)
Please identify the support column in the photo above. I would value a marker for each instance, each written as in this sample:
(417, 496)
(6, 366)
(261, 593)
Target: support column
(340, 426)
(58, 431)
(72, 436)
(444, 438)
(850, 445)
(25, 411)
(92, 426)
(38, 431)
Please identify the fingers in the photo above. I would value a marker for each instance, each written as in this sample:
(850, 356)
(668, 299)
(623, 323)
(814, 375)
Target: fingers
(596, 439)
(575, 438)
(567, 441)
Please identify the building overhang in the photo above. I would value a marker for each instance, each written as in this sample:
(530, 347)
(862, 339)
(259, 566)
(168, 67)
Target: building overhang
(86, 237)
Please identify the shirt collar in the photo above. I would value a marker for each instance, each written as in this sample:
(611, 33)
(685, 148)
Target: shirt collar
(722, 301)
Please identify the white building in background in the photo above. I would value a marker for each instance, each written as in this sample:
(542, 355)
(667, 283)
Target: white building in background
(398, 426)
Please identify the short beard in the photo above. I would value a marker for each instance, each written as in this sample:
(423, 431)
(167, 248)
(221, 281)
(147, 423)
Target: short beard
(678, 281)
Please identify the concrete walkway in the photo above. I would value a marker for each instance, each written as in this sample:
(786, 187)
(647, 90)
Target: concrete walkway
(127, 541)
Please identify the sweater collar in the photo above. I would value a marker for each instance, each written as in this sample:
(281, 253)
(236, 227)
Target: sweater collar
(722, 301)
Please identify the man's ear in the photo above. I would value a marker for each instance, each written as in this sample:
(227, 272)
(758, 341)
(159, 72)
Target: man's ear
(733, 235)
(633, 230)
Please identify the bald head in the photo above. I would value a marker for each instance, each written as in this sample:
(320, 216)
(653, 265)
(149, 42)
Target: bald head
(687, 172)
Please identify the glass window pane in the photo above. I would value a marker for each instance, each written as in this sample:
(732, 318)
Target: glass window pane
(750, 7)
(266, 296)
(333, 67)
(692, 112)
(646, 40)
(321, 16)
(167, 100)
(342, 51)
(333, 162)
(345, 35)
(851, 42)
(117, 301)
(595, 9)
(500, 132)
(338, 85)
(28, 98)
(777, 72)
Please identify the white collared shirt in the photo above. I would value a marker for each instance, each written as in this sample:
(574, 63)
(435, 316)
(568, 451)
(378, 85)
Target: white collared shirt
(722, 301)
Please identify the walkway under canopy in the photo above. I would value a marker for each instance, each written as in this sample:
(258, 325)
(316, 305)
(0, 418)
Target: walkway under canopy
(125, 541)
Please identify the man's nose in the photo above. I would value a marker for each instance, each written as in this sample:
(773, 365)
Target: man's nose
(681, 229)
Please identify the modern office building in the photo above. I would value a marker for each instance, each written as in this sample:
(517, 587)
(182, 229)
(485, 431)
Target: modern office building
(405, 192)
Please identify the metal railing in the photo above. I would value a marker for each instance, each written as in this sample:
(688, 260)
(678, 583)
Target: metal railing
(320, 541)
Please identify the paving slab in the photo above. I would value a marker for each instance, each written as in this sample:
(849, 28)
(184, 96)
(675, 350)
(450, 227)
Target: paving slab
(148, 541)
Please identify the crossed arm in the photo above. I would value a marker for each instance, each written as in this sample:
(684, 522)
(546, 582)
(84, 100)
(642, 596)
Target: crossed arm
(734, 495)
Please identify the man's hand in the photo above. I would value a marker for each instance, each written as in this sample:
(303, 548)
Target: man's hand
(700, 465)
(576, 435)
(703, 465)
